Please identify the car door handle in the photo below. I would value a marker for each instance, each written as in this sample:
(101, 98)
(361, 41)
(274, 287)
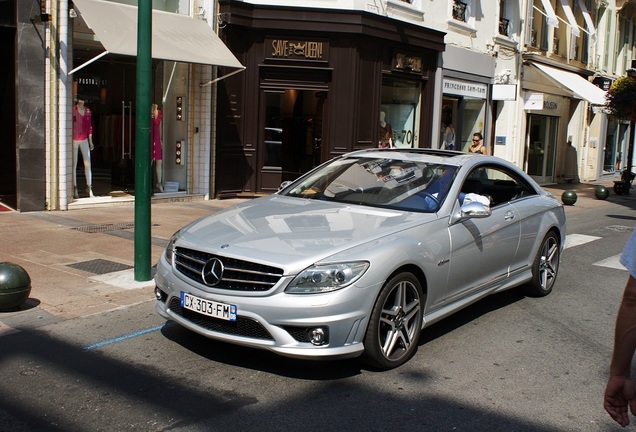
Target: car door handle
(509, 216)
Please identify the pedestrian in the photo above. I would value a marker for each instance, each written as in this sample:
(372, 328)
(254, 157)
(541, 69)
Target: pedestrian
(619, 392)
(449, 136)
(477, 145)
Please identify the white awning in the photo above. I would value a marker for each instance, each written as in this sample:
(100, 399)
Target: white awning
(579, 86)
(549, 13)
(589, 23)
(570, 16)
(174, 37)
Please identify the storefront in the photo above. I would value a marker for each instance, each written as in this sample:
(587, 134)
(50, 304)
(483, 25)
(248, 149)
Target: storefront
(563, 130)
(466, 96)
(318, 83)
(102, 73)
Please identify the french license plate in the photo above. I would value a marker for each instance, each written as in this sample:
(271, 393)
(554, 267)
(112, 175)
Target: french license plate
(207, 307)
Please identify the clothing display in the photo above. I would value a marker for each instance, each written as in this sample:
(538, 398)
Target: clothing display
(155, 137)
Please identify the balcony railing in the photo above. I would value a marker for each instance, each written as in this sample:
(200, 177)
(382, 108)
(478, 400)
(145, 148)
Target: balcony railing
(503, 26)
(459, 10)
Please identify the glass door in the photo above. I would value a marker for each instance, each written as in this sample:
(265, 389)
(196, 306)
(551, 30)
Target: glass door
(291, 135)
(540, 147)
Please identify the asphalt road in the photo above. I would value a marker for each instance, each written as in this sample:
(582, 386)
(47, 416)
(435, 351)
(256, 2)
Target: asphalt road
(508, 363)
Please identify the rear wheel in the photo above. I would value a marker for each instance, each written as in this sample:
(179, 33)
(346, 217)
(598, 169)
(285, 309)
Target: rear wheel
(618, 188)
(395, 324)
(545, 267)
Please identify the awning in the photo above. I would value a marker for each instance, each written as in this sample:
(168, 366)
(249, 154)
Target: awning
(174, 37)
(579, 86)
(589, 23)
(574, 27)
(549, 13)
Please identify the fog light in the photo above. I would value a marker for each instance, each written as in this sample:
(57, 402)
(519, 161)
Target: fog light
(158, 294)
(317, 336)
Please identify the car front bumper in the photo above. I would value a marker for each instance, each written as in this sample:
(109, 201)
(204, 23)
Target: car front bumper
(274, 321)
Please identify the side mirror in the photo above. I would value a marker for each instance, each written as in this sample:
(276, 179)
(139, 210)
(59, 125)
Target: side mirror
(473, 210)
(284, 184)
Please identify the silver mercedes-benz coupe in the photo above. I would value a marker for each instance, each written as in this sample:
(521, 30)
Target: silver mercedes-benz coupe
(356, 257)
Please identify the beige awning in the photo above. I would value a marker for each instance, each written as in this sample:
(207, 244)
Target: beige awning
(174, 37)
(579, 86)
(567, 10)
(589, 23)
(549, 13)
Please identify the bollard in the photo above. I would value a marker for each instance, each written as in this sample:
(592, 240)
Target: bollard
(569, 197)
(601, 192)
(15, 286)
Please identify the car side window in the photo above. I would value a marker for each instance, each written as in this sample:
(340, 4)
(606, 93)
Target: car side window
(499, 184)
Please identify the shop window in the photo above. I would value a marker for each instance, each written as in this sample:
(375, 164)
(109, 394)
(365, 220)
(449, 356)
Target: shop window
(504, 23)
(399, 112)
(459, 11)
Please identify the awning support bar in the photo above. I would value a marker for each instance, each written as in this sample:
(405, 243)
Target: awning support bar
(89, 62)
(221, 77)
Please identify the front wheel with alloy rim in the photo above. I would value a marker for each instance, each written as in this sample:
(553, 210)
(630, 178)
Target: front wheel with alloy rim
(545, 267)
(395, 324)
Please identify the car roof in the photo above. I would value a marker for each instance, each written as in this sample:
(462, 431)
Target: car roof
(446, 157)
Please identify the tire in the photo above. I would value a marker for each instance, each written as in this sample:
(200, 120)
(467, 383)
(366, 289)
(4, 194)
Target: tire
(545, 267)
(395, 324)
(618, 188)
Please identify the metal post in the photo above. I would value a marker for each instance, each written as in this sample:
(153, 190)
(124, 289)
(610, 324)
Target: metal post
(142, 144)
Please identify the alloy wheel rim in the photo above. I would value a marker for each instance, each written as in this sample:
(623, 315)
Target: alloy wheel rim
(548, 264)
(399, 320)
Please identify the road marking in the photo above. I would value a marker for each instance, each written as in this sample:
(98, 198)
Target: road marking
(572, 240)
(611, 262)
(122, 338)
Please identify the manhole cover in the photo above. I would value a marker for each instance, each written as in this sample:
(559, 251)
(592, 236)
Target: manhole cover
(99, 266)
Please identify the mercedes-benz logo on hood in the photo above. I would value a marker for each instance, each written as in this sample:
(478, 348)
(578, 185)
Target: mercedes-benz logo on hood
(212, 272)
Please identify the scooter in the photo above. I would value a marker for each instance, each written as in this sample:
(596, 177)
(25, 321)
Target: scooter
(623, 185)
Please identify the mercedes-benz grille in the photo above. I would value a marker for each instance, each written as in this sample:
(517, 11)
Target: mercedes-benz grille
(236, 275)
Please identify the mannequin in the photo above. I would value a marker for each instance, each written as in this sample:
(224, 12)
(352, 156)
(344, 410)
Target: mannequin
(385, 136)
(155, 145)
(82, 141)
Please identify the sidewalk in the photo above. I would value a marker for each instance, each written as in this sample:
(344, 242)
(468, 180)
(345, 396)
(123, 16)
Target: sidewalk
(81, 261)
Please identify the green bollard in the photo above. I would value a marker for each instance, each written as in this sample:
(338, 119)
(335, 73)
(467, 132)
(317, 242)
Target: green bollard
(569, 197)
(601, 192)
(15, 286)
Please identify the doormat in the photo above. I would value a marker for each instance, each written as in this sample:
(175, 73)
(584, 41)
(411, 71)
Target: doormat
(99, 266)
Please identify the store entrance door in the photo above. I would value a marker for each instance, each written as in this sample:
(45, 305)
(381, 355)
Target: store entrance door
(291, 135)
(540, 147)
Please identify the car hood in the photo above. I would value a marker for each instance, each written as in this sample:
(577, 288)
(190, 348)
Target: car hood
(284, 231)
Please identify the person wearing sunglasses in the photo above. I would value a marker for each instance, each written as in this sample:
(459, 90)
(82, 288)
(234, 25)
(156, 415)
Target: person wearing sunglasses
(477, 145)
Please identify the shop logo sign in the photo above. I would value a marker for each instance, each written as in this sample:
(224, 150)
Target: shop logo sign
(298, 50)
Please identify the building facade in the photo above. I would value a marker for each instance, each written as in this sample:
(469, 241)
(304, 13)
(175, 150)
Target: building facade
(318, 83)
(75, 62)
(297, 85)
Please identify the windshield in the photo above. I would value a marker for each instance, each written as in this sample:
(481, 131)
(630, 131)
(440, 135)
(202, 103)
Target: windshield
(401, 184)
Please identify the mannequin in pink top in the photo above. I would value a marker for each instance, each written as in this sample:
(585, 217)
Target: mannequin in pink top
(155, 145)
(82, 141)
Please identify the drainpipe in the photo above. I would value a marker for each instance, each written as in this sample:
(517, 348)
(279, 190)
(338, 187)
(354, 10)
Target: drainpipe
(213, 7)
(63, 131)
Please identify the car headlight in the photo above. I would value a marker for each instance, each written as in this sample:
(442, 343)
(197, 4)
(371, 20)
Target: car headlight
(170, 250)
(327, 277)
